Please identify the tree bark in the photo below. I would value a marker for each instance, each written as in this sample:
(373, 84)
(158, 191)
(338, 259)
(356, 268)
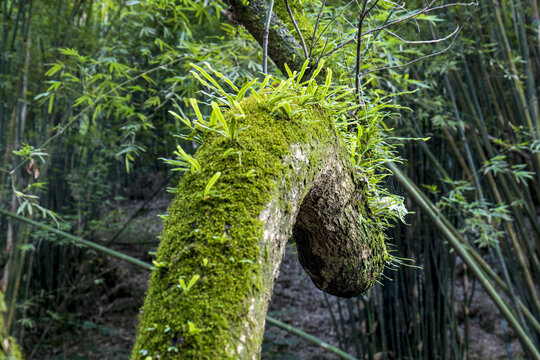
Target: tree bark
(282, 46)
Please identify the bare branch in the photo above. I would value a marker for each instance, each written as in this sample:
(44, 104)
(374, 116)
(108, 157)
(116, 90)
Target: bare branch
(474, 3)
(283, 46)
(427, 9)
(265, 37)
(405, 18)
(331, 21)
(297, 29)
(316, 26)
(347, 67)
(363, 14)
(370, 45)
(359, 48)
(412, 61)
(423, 41)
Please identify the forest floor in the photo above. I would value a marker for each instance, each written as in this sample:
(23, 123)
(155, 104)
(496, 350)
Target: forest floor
(106, 328)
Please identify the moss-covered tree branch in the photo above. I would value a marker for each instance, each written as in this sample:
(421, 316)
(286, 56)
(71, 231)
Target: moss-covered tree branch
(282, 45)
(221, 248)
(220, 253)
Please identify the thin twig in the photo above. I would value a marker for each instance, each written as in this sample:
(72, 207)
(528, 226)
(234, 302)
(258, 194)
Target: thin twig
(333, 19)
(368, 49)
(358, 49)
(347, 67)
(363, 14)
(412, 61)
(427, 9)
(297, 30)
(473, 3)
(423, 41)
(265, 37)
(325, 44)
(309, 338)
(75, 240)
(405, 18)
(316, 26)
(136, 213)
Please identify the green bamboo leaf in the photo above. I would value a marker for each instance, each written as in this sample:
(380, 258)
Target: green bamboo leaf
(289, 72)
(81, 99)
(192, 282)
(238, 112)
(51, 100)
(212, 80)
(328, 78)
(285, 108)
(181, 283)
(195, 166)
(209, 129)
(55, 68)
(279, 98)
(265, 83)
(317, 70)
(257, 96)
(283, 86)
(223, 77)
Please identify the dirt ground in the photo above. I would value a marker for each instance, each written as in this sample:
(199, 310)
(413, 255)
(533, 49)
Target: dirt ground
(106, 330)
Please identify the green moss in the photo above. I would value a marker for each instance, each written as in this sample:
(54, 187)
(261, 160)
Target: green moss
(224, 229)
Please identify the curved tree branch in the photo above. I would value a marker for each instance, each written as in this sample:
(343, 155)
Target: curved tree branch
(220, 253)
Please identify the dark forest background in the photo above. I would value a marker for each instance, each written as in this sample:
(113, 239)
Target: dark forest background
(86, 87)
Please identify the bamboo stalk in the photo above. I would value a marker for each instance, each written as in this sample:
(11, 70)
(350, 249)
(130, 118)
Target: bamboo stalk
(533, 128)
(502, 181)
(310, 338)
(354, 332)
(79, 241)
(481, 262)
(467, 258)
(512, 234)
(334, 322)
(460, 158)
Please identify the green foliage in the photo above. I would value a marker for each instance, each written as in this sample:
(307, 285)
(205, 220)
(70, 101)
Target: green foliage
(210, 234)
(211, 183)
(482, 219)
(184, 161)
